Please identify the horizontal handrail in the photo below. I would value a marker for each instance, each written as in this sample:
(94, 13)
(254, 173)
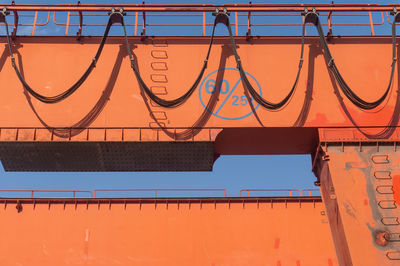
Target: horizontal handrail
(290, 190)
(204, 7)
(94, 193)
(33, 191)
(136, 11)
(309, 190)
(156, 190)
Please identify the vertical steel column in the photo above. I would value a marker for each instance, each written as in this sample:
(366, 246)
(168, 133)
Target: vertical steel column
(357, 178)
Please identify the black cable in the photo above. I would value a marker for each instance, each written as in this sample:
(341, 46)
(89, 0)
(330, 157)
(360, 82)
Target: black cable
(257, 97)
(147, 90)
(347, 91)
(73, 88)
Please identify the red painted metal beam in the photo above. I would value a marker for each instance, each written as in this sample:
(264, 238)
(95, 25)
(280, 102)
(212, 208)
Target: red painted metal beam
(207, 8)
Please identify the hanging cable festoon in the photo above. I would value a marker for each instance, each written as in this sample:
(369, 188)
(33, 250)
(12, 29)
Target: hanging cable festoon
(347, 91)
(220, 17)
(257, 97)
(57, 98)
(187, 94)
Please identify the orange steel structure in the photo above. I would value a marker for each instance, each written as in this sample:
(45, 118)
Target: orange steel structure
(179, 231)
(111, 124)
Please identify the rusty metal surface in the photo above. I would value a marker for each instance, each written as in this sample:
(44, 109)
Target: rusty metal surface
(358, 188)
(214, 231)
(107, 156)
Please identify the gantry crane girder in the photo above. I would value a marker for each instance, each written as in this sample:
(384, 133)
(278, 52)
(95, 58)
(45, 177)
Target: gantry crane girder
(110, 124)
(109, 120)
(179, 231)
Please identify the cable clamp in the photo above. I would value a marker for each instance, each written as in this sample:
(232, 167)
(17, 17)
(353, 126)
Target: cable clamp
(120, 11)
(205, 62)
(219, 12)
(94, 61)
(5, 12)
(395, 13)
(330, 63)
(132, 62)
(238, 63)
(221, 16)
(301, 62)
(117, 16)
(310, 16)
(394, 61)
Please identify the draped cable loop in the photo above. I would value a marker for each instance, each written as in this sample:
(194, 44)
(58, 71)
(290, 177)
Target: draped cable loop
(344, 87)
(221, 16)
(113, 18)
(309, 18)
(178, 101)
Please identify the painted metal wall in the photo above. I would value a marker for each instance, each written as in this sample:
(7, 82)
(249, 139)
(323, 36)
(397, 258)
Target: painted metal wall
(219, 231)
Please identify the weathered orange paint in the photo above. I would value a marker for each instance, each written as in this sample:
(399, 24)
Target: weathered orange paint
(396, 188)
(355, 161)
(228, 231)
(359, 180)
(271, 60)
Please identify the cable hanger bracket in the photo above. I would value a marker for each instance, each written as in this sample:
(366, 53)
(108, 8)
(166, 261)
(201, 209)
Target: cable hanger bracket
(3, 13)
(120, 12)
(310, 16)
(395, 13)
(221, 16)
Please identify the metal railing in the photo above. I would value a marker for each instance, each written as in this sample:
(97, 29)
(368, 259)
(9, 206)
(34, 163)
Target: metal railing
(38, 193)
(246, 18)
(309, 191)
(269, 191)
(33, 191)
(157, 190)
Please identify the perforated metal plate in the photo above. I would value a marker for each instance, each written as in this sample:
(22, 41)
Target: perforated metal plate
(107, 156)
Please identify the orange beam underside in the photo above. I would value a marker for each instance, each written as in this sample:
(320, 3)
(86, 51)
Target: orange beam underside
(255, 231)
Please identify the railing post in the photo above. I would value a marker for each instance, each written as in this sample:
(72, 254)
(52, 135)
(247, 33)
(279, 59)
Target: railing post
(79, 33)
(34, 23)
(136, 23)
(371, 22)
(248, 33)
(329, 34)
(143, 34)
(236, 24)
(67, 24)
(204, 23)
(15, 27)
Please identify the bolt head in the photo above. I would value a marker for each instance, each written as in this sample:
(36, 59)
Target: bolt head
(382, 238)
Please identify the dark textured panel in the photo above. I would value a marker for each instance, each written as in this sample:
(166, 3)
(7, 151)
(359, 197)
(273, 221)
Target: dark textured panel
(107, 156)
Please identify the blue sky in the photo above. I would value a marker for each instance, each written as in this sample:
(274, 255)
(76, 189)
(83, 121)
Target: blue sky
(230, 172)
